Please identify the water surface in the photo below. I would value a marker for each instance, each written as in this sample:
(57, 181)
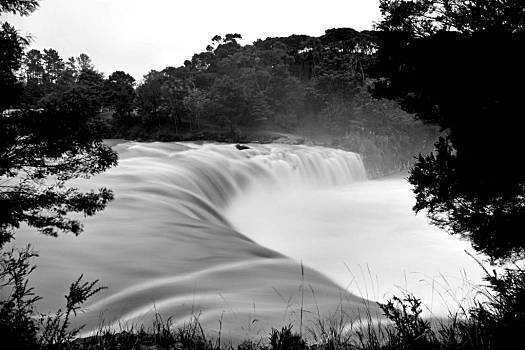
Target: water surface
(214, 231)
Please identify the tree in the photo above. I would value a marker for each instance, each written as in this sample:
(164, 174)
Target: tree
(40, 150)
(35, 146)
(53, 67)
(44, 74)
(426, 17)
(34, 69)
(196, 102)
(21, 7)
(84, 63)
(149, 95)
(34, 78)
(461, 71)
(11, 53)
(71, 64)
(68, 75)
(230, 105)
(227, 45)
(90, 83)
(119, 92)
(173, 90)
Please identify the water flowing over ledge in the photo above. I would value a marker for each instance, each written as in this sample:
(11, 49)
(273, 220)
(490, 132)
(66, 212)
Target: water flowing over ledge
(218, 173)
(166, 245)
(221, 232)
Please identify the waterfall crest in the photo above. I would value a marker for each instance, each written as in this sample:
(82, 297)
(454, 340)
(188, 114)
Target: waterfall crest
(166, 244)
(204, 179)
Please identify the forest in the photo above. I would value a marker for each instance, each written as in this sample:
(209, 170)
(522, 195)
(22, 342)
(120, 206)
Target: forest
(316, 87)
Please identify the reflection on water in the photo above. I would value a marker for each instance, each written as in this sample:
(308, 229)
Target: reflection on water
(212, 230)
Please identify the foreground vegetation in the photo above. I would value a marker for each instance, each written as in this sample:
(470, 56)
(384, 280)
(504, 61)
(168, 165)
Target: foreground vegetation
(494, 321)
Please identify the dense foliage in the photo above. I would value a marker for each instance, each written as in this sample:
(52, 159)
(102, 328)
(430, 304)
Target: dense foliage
(48, 135)
(460, 65)
(302, 84)
(42, 148)
(315, 86)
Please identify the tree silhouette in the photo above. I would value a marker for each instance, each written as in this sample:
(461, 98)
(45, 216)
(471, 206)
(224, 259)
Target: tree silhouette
(463, 71)
(119, 92)
(41, 149)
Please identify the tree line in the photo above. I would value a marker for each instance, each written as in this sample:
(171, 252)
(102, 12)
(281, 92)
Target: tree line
(49, 134)
(229, 90)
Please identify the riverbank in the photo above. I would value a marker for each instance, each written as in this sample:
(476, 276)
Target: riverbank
(490, 325)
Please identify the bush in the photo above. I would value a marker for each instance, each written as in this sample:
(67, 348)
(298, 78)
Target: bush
(409, 330)
(286, 340)
(501, 319)
(18, 307)
(495, 322)
(18, 324)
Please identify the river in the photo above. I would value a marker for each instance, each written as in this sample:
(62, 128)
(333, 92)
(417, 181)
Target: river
(252, 239)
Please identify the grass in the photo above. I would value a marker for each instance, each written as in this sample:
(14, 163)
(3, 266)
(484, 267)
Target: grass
(494, 320)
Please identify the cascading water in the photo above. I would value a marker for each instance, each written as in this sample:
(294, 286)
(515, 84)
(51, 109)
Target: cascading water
(210, 229)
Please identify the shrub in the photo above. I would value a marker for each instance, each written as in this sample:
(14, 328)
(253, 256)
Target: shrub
(18, 324)
(286, 340)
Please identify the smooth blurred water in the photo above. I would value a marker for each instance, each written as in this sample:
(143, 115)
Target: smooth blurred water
(365, 237)
(219, 232)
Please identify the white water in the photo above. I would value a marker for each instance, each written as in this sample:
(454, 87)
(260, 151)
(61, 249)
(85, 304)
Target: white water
(365, 237)
(214, 230)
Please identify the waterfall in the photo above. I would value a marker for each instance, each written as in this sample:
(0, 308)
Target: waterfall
(224, 233)
(205, 179)
(166, 244)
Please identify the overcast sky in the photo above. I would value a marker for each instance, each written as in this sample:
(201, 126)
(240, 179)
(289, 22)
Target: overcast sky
(139, 35)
